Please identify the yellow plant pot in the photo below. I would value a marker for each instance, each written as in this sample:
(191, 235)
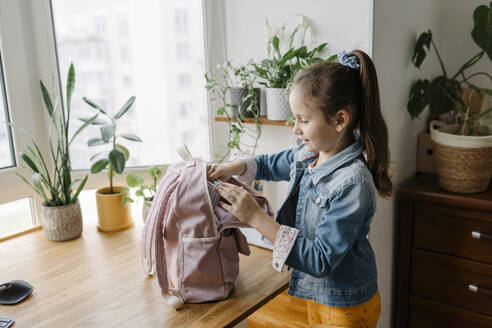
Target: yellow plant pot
(113, 215)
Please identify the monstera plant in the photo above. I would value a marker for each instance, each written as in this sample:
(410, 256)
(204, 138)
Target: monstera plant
(463, 150)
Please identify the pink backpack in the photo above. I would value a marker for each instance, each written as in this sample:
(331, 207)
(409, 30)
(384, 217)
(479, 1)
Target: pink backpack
(196, 243)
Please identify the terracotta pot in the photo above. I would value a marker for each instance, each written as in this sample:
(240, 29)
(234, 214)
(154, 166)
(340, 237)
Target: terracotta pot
(113, 215)
(62, 223)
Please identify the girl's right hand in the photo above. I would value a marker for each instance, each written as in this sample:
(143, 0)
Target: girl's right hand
(224, 171)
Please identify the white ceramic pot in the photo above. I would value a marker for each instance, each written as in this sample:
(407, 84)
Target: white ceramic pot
(145, 210)
(278, 108)
(62, 223)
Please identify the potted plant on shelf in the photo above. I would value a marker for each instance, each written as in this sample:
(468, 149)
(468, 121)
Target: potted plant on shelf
(242, 91)
(113, 214)
(462, 151)
(146, 191)
(60, 209)
(277, 71)
(218, 84)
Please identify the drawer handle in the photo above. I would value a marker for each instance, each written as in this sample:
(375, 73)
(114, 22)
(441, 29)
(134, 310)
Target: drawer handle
(478, 290)
(481, 236)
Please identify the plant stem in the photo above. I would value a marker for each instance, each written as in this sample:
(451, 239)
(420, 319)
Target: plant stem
(469, 63)
(440, 59)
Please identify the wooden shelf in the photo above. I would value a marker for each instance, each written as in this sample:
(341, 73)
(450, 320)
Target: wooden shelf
(261, 120)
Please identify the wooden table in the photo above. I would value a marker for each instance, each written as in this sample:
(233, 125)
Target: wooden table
(97, 281)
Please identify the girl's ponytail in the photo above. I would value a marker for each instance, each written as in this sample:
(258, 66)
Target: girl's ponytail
(372, 127)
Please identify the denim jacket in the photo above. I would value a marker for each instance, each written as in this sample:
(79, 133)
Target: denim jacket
(325, 242)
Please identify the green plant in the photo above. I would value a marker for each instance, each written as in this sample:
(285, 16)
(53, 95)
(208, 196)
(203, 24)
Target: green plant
(55, 189)
(279, 68)
(218, 83)
(116, 158)
(147, 192)
(444, 92)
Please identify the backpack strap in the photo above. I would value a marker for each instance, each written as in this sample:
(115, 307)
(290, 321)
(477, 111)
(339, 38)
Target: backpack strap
(156, 212)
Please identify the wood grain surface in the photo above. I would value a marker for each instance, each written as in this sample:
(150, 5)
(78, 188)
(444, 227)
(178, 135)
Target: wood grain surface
(97, 281)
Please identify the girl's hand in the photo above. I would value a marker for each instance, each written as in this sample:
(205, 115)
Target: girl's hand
(243, 205)
(224, 171)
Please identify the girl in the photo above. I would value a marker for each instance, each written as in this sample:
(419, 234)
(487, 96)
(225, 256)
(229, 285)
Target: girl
(321, 229)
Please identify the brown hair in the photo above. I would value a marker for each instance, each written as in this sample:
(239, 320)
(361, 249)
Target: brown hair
(333, 86)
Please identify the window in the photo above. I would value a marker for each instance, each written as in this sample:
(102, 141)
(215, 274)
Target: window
(184, 81)
(16, 216)
(7, 158)
(186, 110)
(123, 53)
(182, 51)
(181, 20)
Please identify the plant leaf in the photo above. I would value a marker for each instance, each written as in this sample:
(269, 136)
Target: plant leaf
(419, 53)
(95, 142)
(29, 162)
(93, 105)
(131, 137)
(124, 149)
(134, 180)
(127, 199)
(125, 108)
(482, 29)
(117, 160)
(36, 181)
(443, 94)
(275, 43)
(79, 189)
(97, 121)
(107, 132)
(419, 97)
(82, 127)
(99, 166)
(47, 99)
(70, 85)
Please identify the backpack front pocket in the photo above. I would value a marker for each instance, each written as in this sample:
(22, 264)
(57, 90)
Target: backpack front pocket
(229, 257)
(202, 278)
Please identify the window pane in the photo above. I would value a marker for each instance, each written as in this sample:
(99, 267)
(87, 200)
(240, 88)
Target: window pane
(150, 49)
(6, 148)
(15, 216)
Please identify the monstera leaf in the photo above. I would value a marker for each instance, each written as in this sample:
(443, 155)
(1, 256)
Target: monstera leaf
(482, 29)
(419, 53)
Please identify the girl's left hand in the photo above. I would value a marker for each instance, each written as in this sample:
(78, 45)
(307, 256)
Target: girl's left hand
(243, 205)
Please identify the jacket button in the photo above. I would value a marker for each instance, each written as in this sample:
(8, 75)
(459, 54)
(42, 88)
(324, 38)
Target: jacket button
(318, 200)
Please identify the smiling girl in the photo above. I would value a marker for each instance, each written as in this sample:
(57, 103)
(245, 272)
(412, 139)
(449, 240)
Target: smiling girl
(321, 229)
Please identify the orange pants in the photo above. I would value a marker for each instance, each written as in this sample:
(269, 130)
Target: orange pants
(363, 315)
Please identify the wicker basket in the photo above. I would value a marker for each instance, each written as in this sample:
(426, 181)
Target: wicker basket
(464, 163)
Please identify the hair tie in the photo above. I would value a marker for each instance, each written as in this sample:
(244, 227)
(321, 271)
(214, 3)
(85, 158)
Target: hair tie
(345, 59)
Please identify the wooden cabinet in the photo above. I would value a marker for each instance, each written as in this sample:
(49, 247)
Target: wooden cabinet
(444, 257)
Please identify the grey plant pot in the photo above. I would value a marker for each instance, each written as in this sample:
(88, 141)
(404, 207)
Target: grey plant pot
(62, 223)
(278, 108)
(236, 96)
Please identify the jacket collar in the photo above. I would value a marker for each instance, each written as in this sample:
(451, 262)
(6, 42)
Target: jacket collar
(331, 164)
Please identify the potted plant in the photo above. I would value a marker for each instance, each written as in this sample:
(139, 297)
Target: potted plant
(113, 214)
(218, 84)
(242, 91)
(147, 192)
(60, 209)
(463, 151)
(277, 71)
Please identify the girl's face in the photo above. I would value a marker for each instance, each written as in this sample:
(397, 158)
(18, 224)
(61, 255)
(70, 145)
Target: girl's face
(311, 126)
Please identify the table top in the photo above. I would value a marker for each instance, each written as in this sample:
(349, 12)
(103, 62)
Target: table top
(97, 280)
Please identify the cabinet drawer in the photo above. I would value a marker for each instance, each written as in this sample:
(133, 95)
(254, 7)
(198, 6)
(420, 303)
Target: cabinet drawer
(429, 314)
(452, 280)
(445, 230)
